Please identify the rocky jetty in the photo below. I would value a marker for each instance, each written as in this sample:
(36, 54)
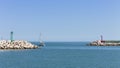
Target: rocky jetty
(105, 43)
(17, 44)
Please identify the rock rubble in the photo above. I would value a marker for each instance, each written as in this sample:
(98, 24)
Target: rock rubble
(17, 44)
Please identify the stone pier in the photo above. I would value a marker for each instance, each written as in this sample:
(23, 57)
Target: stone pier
(16, 44)
(105, 43)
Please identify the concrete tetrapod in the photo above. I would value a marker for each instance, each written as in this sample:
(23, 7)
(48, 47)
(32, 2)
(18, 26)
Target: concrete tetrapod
(17, 44)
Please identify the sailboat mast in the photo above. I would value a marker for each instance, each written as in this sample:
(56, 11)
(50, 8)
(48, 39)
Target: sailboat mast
(41, 42)
(40, 37)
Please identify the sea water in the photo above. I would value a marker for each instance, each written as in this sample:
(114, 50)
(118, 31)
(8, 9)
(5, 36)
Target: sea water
(62, 55)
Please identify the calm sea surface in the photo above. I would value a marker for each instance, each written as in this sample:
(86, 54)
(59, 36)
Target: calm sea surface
(62, 55)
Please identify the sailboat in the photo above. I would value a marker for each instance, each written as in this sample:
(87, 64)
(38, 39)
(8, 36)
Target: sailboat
(41, 42)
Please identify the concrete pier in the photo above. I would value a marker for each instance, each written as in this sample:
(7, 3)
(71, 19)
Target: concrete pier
(105, 43)
(16, 44)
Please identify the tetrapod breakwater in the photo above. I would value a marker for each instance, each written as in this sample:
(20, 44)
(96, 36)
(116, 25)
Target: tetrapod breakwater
(16, 44)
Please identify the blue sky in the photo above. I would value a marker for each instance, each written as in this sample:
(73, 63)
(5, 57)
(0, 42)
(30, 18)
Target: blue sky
(60, 20)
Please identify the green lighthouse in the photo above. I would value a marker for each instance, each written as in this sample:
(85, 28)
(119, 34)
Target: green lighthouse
(11, 36)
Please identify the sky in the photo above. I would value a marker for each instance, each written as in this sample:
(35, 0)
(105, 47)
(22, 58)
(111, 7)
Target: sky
(60, 20)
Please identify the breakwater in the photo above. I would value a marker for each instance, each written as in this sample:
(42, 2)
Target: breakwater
(105, 43)
(17, 44)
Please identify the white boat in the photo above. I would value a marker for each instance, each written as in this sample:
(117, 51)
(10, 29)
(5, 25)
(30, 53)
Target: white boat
(41, 42)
